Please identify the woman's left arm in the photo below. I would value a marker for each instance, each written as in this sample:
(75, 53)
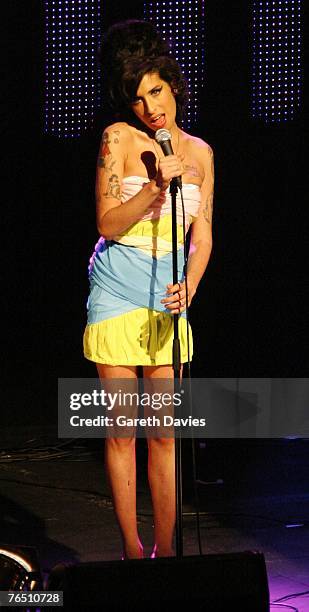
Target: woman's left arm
(201, 230)
(200, 241)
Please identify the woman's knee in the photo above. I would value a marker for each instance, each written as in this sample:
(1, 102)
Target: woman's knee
(120, 444)
(161, 444)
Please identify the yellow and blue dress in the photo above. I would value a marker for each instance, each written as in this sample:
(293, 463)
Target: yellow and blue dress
(127, 324)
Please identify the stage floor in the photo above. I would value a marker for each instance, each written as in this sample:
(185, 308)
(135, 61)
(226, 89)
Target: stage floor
(54, 497)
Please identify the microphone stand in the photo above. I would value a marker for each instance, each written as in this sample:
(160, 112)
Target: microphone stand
(176, 368)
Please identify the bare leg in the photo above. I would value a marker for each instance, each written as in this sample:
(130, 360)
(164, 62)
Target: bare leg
(161, 476)
(120, 465)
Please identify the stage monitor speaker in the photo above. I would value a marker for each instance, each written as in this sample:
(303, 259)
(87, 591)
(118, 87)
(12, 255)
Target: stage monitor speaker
(212, 583)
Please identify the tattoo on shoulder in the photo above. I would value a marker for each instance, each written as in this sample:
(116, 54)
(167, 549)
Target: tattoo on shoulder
(116, 137)
(212, 167)
(210, 150)
(105, 159)
(208, 209)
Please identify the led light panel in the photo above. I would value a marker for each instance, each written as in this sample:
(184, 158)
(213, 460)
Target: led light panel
(72, 86)
(277, 72)
(183, 24)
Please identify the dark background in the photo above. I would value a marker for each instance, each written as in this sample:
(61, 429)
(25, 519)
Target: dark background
(250, 315)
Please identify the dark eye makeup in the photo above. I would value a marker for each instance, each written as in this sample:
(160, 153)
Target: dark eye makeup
(155, 91)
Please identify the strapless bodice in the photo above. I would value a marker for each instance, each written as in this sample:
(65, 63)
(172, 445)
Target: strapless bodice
(131, 185)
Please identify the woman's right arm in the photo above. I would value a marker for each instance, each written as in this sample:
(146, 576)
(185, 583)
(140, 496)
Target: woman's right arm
(114, 216)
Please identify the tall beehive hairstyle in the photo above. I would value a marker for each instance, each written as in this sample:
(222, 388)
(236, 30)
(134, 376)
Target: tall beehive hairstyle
(128, 50)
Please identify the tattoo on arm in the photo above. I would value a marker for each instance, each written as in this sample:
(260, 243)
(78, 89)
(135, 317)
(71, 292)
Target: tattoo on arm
(105, 159)
(113, 188)
(208, 209)
(212, 165)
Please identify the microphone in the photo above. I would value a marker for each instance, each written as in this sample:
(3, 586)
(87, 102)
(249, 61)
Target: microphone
(163, 138)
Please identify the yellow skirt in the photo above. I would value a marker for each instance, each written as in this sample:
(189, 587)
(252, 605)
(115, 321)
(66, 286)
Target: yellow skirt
(141, 337)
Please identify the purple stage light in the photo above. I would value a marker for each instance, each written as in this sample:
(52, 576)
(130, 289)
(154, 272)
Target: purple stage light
(277, 51)
(183, 24)
(73, 30)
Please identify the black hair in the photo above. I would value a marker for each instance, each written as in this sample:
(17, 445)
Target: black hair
(132, 37)
(130, 49)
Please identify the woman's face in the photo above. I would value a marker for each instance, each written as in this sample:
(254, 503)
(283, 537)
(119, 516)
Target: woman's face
(155, 103)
